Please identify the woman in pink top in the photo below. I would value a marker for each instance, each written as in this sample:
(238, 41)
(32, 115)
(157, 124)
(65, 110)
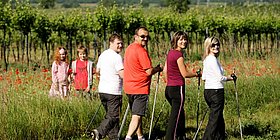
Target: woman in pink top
(60, 74)
(176, 72)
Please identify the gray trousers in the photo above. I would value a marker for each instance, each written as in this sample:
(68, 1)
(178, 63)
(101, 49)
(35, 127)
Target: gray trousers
(110, 124)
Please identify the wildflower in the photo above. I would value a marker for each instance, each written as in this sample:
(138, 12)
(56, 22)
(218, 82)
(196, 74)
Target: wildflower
(18, 81)
(93, 88)
(17, 71)
(188, 81)
(48, 78)
(70, 71)
(193, 70)
(94, 71)
(45, 70)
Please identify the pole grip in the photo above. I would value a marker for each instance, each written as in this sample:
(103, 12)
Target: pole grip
(198, 72)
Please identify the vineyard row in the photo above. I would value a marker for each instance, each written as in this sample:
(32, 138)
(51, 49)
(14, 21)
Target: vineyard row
(27, 27)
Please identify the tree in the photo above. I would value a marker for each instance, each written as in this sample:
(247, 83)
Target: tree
(180, 6)
(70, 4)
(46, 4)
(107, 3)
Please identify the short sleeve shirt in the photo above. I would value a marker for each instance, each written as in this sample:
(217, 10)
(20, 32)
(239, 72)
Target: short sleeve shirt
(174, 77)
(136, 62)
(110, 63)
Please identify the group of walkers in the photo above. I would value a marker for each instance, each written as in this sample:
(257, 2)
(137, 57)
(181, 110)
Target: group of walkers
(133, 73)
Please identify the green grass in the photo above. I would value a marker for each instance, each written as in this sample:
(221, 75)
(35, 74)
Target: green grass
(28, 113)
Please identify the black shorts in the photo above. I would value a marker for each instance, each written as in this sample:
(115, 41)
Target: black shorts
(138, 103)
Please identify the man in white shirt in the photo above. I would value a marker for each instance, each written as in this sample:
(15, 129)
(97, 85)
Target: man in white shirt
(110, 72)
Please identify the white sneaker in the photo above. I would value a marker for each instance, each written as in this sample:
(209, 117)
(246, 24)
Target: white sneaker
(95, 134)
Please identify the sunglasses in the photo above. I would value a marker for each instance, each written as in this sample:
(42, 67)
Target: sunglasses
(216, 44)
(143, 36)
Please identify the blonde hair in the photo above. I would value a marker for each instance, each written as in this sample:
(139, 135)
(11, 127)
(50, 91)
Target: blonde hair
(56, 56)
(209, 41)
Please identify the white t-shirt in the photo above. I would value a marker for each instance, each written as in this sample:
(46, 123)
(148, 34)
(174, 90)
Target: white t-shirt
(213, 73)
(109, 63)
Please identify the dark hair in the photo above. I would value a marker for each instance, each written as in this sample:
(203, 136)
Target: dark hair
(139, 28)
(114, 36)
(177, 35)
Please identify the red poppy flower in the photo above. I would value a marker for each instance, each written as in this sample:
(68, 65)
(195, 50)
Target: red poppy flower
(45, 70)
(70, 71)
(17, 71)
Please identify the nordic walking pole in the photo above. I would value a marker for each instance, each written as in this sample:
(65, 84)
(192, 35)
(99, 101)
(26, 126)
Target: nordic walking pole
(159, 114)
(237, 103)
(151, 124)
(93, 117)
(123, 121)
(198, 95)
(194, 138)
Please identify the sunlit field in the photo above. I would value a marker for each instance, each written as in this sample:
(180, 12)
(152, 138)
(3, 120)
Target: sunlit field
(28, 112)
(250, 43)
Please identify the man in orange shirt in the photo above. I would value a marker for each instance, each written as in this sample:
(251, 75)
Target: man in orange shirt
(138, 72)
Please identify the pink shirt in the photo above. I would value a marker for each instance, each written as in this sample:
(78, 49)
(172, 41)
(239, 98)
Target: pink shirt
(174, 77)
(60, 73)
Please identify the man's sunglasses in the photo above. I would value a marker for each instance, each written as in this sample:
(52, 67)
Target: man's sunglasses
(143, 36)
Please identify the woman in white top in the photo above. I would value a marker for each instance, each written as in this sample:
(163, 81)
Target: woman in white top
(213, 75)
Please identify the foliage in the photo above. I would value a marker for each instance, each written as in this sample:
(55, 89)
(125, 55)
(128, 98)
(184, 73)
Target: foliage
(46, 4)
(70, 4)
(180, 6)
(240, 28)
(24, 18)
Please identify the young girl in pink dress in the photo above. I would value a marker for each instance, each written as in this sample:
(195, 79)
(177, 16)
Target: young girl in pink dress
(60, 74)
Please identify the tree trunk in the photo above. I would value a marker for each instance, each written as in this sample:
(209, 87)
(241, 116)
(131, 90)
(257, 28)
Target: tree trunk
(42, 51)
(95, 47)
(48, 53)
(277, 40)
(4, 49)
(27, 49)
(105, 38)
(266, 44)
(249, 44)
(259, 44)
(272, 39)
(35, 50)
(22, 47)
(30, 46)
(18, 43)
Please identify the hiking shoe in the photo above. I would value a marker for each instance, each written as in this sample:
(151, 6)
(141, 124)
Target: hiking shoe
(141, 138)
(95, 134)
(126, 138)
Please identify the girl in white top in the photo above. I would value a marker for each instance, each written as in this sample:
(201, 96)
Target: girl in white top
(213, 75)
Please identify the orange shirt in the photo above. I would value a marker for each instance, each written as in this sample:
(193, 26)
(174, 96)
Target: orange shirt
(136, 62)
